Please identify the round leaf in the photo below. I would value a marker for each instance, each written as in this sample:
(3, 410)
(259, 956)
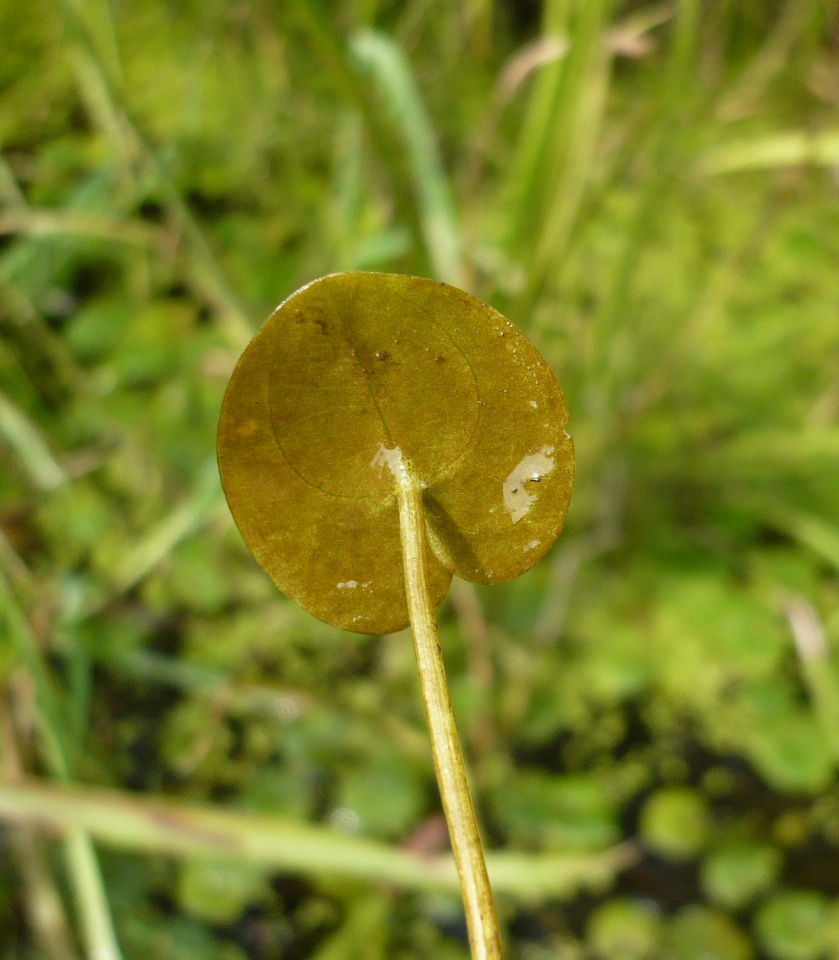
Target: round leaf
(674, 822)
(737, 873)
(795, 925)
(623, 929)
(353, 366)
(701, 933)
(218, 891)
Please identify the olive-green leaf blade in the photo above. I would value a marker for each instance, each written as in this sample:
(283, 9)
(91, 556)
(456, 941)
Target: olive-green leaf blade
(353, 366)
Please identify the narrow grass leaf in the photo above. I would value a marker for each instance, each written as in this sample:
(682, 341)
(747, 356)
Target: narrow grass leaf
(181, 523)
(28, 443)
(812, 531)
(792, 148)
(82, 864)
(156, 825)
(387, 64)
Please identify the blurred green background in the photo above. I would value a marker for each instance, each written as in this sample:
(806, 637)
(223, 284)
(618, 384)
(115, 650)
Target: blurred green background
(651, 191)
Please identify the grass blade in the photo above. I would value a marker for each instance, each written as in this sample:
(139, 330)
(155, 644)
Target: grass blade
(811, 646)
(811, 531)
(183, 521)
(385, 61)
(26, 440)
(559, 138)
(155, 825)
(792, 148)
(82, 865)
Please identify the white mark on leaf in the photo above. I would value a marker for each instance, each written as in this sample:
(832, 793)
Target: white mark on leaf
(517, 498)
(392, 459)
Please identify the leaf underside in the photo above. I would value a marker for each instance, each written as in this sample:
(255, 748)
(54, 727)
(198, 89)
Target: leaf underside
(358, 364)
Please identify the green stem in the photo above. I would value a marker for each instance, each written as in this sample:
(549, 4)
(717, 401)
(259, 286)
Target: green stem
(484, 937)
